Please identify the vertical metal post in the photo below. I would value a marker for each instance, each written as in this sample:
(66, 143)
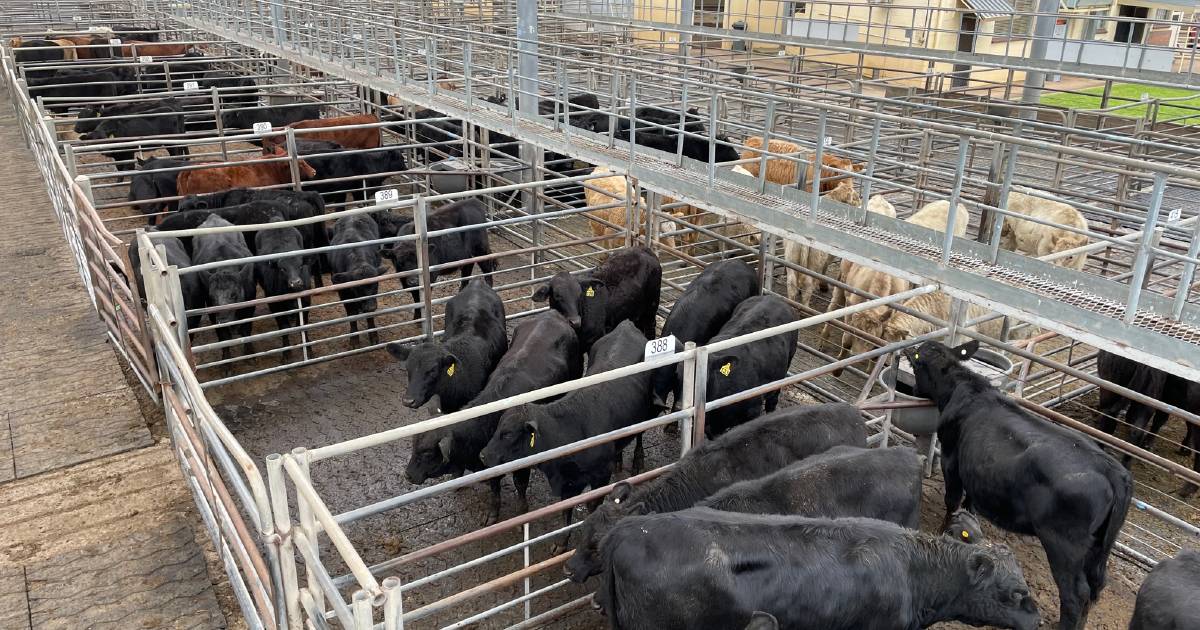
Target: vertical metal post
(1189, 272)
(293, 158)
(699, 394)
(527, 102)
(1010, 169)
(216, 101)
(814, 198)
(393, 604)
(1141, 260)
(308, 525)
(872, 158)
(525, 559)
(419, 216)
(952, 213)
(283, 539)
(1043, 29)
(364, 618)
(686, 400)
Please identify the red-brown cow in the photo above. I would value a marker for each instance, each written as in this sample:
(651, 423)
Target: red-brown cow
(368, 138)
(249, 174)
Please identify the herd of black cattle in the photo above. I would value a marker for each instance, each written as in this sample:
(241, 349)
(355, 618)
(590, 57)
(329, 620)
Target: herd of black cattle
(779, 520)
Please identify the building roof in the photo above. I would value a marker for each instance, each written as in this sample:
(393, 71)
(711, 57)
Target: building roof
(990, 9)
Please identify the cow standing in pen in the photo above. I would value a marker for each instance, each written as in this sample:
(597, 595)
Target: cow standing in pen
(1025, 475)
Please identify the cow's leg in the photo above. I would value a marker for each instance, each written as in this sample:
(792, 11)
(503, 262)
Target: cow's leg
(354, 340)
(415, 294)
(836, 301)
(493, 514)
(1111, 404)
(1139, 418)
(465, 275)
(954, 488)
(1191, 441)
(562, 545)
(521, 483)
(177, 151)
(488, 267)
(772, 401)
(372, 336)
(224, 335)
(1066, 557)
(639, 456)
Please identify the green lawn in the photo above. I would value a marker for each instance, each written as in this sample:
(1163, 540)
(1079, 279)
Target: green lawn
(1090, 99)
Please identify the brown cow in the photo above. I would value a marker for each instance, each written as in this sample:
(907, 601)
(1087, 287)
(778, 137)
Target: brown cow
(369, 138)
(248, 174)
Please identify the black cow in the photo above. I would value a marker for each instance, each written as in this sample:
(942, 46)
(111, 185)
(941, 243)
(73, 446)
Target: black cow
(583, 413)
(293, 204)
(808, 573)
(447, 248)
(700, 312)
(1168, 597)
(446, 135)
(135, 33)
(1001, 457)
(226, 285)
(145, 186)
(759, 447)
(38, 50)
(357, 263)
(371, 168)
(544, 351)
(157, 118)
(749, 365)
(647, 117)
(882, 483)
(189, 284)
(80, 84)
(389, 222)
(283, 276)
(457, 368)
(625, 286)
(1156, 384)
(693, 147)
(252, 213)
(278, 115)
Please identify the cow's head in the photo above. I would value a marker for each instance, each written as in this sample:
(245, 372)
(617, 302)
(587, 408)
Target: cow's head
(995, 592)
(725, 152)
(306, 170)
(572, 296)
(427, 364)
(88, 120)
(228, 285)
(367, 291)
(933, 365)
(431, 457)
(516, 437)
(404, 257)
(965, 528)
(617, 505)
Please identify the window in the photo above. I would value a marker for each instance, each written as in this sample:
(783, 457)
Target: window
(1017, 26)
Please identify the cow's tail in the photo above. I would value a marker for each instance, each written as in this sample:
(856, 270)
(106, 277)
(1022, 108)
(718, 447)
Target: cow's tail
(1097, 557)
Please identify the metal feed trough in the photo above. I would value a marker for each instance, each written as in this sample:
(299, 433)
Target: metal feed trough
(321, 560)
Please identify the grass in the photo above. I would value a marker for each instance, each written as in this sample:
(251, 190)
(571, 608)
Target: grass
(1122, 93)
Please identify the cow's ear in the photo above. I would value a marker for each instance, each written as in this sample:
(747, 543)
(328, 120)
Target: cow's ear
(542, 293)
(590, 286)
(980, 566)
(762, 621)
(380, 270)
(620, 492)
(446, 447)
(531, 427)
(449, 364)
(340, 277)
(967, 350)
(398, 351)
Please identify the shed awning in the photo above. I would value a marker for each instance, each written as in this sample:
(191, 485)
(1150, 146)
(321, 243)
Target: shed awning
(990, 9)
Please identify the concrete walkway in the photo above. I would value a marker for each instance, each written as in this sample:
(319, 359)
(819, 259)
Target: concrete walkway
(95, 521)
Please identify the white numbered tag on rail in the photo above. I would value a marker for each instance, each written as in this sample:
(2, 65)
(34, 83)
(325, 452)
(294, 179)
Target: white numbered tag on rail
(386, 195)
(828, 141)
(191, 86)
(1174, 215)
(114, 41)
(77, 18)
(262, 127)
(145, 59)
(658, 347)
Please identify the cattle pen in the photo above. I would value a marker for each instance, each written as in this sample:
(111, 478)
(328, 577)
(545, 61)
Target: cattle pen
(294, 451)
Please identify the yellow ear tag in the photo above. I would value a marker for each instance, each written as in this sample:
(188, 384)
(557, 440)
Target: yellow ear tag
(916, 357)
(726, 369)
(532, 439)
(591, 292)
(450, 370)
(965, 535)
